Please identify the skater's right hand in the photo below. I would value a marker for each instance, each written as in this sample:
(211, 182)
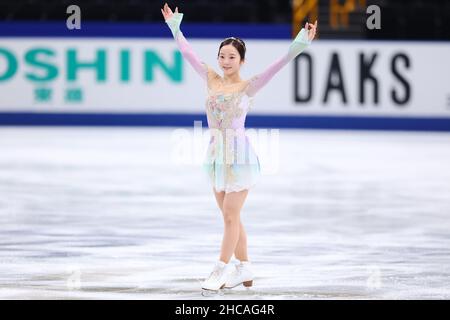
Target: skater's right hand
(167, 12)
(311, 29)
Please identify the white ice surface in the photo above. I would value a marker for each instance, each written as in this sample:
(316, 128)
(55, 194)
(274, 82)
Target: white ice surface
(103, 213)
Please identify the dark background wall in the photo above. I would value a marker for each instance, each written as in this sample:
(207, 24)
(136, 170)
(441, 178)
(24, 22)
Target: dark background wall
(401, 19)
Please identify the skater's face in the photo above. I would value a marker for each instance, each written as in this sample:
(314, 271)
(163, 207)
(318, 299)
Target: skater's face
(229, 59)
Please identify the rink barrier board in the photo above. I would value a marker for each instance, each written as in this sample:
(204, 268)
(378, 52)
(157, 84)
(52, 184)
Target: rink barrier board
(195, 30)
(144, 30)
(255, 121)
(95, 29)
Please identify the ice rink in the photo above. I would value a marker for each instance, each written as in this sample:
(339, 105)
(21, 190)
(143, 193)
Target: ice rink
(105, 213)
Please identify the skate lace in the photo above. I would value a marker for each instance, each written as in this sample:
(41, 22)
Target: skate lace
(215, 274)
(238, 270)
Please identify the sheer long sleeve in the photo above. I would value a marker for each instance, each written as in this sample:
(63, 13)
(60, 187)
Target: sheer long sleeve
(300, 43)
(184, 46)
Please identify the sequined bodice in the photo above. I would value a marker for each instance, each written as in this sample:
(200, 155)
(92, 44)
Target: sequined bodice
(227, 110)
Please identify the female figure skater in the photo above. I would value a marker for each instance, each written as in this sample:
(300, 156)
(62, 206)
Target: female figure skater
(228, 101)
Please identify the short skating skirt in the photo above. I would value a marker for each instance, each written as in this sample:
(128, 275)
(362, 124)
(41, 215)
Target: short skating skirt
(233, 166)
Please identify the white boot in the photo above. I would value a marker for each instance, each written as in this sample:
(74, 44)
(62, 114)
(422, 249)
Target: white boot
(217, 278)
(241, 275)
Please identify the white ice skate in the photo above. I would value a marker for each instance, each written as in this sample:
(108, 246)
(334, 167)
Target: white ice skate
(216, 280)
(241, 275)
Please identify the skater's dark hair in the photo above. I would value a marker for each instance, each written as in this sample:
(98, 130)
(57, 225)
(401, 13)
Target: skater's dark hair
(235, 42)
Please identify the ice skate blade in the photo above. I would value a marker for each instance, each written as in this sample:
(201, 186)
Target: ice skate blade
(211, 293)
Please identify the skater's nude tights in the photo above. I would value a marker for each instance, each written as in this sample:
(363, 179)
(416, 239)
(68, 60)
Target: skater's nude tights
(234, 238)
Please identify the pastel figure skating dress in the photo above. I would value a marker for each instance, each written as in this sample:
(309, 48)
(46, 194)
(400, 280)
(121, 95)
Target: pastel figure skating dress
(231, 162)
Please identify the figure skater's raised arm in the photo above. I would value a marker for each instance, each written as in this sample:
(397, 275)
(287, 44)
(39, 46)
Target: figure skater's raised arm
(300, 43)
(173, 20)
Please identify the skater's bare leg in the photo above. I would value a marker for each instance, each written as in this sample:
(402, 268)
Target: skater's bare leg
(232, 205)
(219, 197)
(241, 248)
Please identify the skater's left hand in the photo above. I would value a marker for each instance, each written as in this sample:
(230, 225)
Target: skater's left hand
(167, 12)
(311, 29)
